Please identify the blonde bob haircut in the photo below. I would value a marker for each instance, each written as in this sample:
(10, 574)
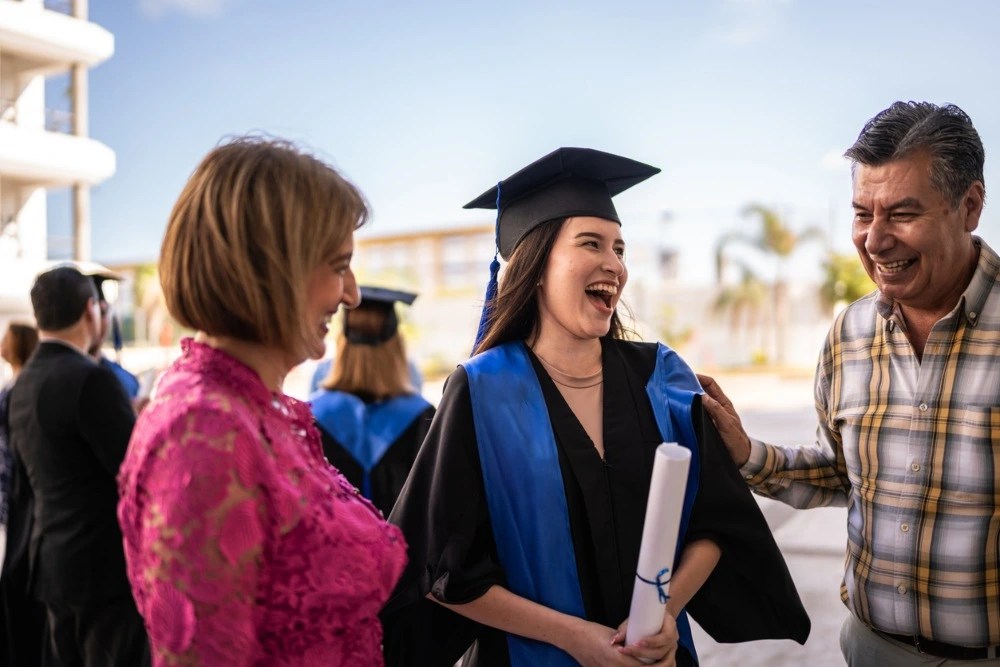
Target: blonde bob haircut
(378, 372)
(254, 220)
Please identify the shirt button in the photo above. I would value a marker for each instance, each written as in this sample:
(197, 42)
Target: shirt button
(905, 527)
(923, 407)
(747, 476)
(915, 467)
(902, 589)
(973, 315)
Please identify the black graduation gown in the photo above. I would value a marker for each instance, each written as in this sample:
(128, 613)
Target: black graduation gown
(443, 513)
(390, 473)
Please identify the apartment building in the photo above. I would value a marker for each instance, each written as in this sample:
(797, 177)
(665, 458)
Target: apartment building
(449, 268)
(42, 147)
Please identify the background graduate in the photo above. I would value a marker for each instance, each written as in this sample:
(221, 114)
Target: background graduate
(525, 506)
(371, 417)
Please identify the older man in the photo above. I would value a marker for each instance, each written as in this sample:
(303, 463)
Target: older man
(908, 397)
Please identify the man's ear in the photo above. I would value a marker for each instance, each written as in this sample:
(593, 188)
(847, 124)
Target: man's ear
(972, 205)
(93, 310)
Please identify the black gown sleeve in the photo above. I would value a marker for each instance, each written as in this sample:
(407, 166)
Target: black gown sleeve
(750, 594)
(443, 514)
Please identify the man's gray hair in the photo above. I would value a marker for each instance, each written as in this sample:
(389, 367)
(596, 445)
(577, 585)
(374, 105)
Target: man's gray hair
(946, 132)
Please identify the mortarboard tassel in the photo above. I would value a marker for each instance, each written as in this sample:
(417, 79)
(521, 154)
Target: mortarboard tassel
(491, 287)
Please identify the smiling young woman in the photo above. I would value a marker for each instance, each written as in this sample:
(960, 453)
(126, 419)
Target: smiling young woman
(524, 510)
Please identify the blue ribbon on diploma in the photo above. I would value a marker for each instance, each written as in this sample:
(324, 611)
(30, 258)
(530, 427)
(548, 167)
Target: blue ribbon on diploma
(659, 582)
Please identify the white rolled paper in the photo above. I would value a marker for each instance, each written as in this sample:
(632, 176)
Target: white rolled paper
(659, 540)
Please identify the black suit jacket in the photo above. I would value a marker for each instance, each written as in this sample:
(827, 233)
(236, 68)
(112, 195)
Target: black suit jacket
(70, 422)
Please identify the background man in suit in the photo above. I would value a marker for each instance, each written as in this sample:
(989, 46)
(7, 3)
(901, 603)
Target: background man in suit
(70, 423)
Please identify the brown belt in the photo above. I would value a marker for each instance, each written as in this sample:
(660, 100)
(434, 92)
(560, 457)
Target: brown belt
(943, 650)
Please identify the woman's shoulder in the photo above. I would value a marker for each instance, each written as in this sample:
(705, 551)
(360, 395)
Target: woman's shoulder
(186, 414)
(458, 380)
(636, 353)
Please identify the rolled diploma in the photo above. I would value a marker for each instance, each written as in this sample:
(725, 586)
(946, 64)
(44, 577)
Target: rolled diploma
(659, 539)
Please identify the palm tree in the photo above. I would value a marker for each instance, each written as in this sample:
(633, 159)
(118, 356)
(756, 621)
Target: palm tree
(844, 280)
(777, 241)
(744, 303)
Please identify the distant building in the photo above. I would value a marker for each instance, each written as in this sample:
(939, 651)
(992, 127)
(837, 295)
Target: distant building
(449, 267)
(43, 147)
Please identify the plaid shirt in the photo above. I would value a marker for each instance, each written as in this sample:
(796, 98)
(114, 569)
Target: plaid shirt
(913, 449)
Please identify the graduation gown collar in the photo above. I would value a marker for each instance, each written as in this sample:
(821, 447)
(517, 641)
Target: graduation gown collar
(365, 430)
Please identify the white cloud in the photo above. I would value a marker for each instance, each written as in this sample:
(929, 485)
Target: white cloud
(834, 160)
(744, 22)
(197, 8)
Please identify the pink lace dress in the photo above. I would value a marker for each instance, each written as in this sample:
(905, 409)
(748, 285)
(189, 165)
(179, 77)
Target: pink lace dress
(244, 546)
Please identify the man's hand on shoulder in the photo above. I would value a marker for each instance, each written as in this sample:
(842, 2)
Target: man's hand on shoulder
(720, 409)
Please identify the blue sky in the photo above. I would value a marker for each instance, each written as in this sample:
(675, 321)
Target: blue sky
(426, 104)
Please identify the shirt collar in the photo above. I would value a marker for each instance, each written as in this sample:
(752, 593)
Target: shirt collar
(65, 343)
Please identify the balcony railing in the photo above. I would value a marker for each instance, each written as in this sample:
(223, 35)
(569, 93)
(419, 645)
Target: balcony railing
(61, 6)
(59, 120)
(56, 120)
(59, 246)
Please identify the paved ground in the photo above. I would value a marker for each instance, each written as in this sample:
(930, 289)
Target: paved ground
(813, 545)
(812, 541)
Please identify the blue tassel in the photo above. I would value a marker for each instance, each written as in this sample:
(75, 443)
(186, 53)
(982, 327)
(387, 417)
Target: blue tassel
(491, 292)
(491, 287)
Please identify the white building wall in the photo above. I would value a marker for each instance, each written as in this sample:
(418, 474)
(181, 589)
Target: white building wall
(32, 222)
(30, 101)
(35, 43)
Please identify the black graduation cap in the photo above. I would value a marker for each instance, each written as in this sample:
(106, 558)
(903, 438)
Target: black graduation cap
(564, 183)
(567, 182)
(384, 299)
(384, 295)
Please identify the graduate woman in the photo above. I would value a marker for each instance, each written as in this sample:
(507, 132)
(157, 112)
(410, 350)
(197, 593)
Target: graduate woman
(370, 416)
(525, 506)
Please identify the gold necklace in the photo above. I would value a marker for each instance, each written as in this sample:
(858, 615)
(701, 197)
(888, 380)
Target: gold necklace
(599, 375)
(600, 380)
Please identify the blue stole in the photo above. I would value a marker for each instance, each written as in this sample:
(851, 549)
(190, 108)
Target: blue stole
(366, 430)
(520, 463)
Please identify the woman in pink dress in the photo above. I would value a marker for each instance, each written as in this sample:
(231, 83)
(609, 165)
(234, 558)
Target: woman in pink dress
(244, 546)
